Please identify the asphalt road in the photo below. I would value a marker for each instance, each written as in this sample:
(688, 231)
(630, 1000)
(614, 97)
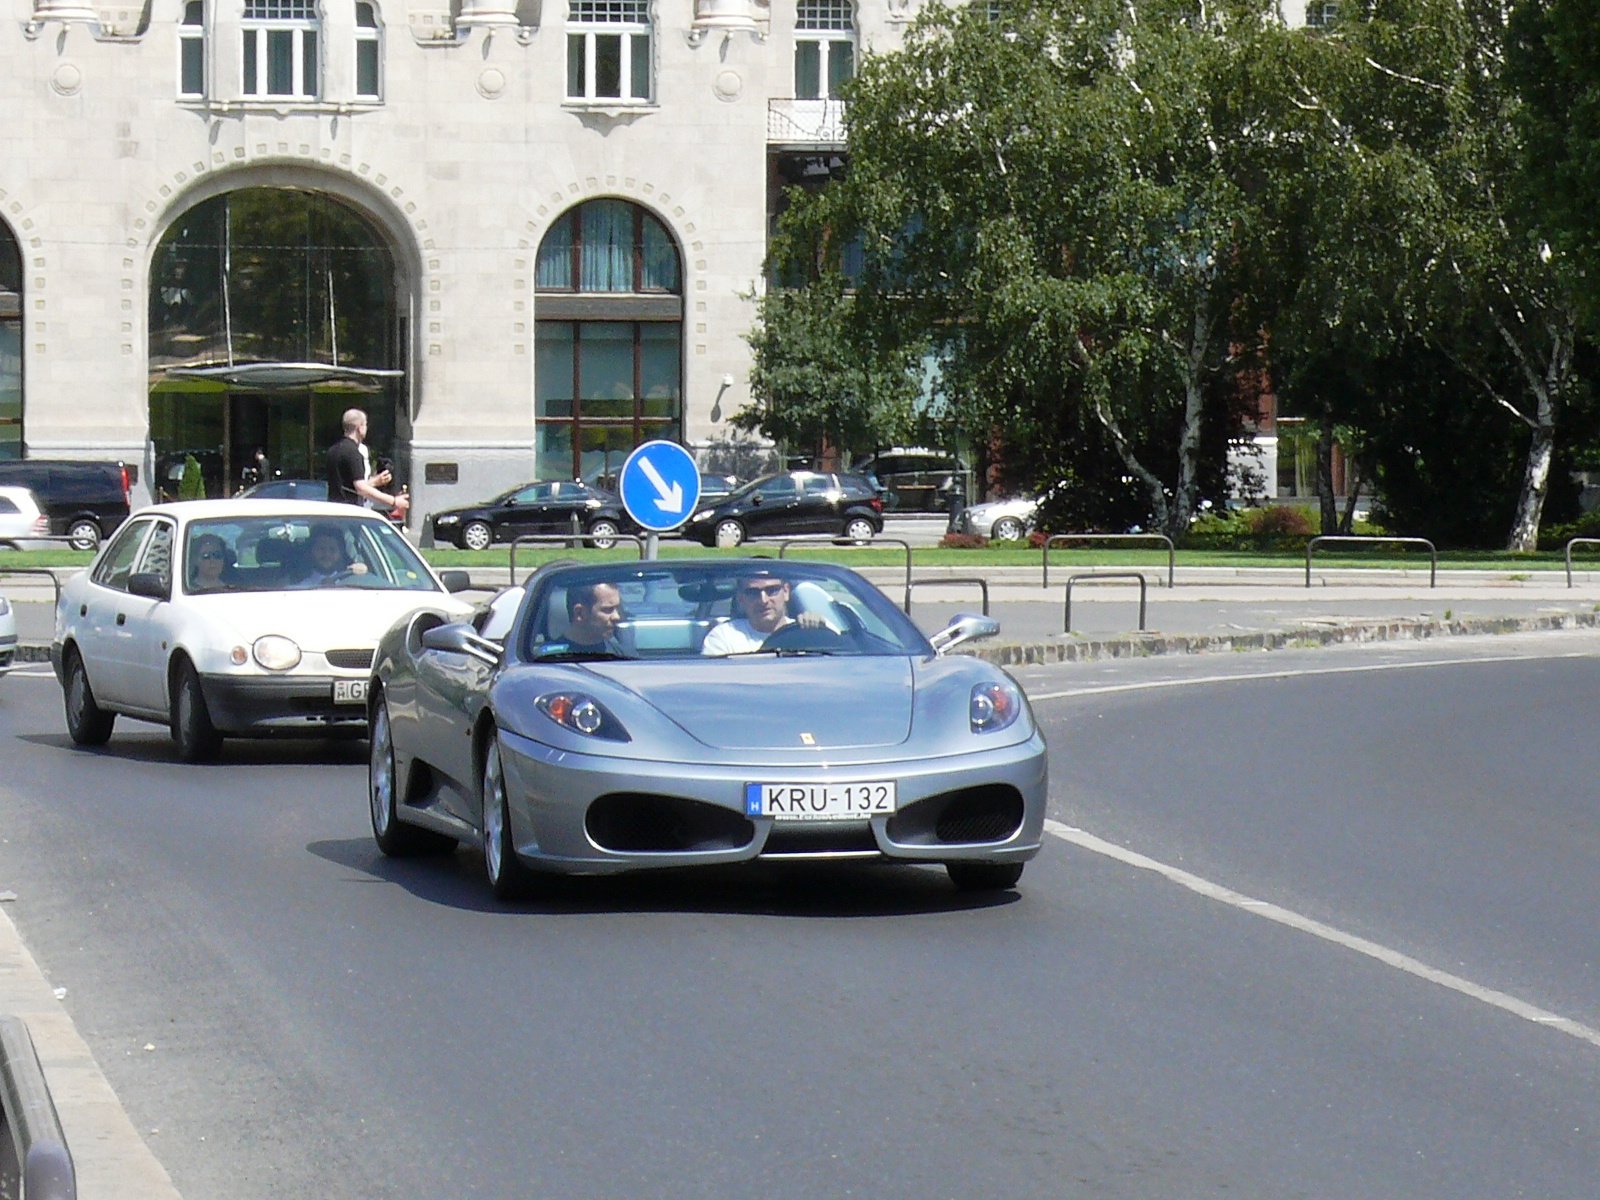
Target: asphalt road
(326, 1023)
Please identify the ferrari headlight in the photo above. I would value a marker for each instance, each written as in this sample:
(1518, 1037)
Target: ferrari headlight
(582, 714)
(993, 706)
(276, 653)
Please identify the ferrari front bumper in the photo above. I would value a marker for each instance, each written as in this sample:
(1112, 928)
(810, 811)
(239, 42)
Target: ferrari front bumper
(550, 791)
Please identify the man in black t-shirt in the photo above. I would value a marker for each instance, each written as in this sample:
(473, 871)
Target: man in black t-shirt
(350, 477)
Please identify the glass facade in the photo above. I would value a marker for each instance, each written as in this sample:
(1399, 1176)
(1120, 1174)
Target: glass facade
(612, 377)
(10, 345)
(278, 276)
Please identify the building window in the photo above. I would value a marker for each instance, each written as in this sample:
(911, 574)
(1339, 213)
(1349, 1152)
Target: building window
(192, 50)
(369, 55)
(608, 50)
(608, 340)
(10, 346)
(1321, 14)
(824, 48)
(280, 48)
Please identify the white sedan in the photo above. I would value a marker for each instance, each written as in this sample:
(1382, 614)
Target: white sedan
(246, 617)
(21, 521)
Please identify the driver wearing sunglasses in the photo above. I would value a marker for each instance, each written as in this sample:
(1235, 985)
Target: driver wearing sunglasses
(208, 559)
(762, 603)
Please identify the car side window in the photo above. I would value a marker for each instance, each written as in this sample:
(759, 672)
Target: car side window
(117, 563)
(778, 488)
(157, 557)
(537, 494)
(817, 485)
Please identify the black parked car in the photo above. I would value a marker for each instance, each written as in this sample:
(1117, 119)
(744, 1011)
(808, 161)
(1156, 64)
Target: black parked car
(545, 507)
(790, 503)
(715, 488)
(916, 480)
(85, 501)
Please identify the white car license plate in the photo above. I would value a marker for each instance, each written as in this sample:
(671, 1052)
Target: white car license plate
(349, 691)
(819, 801)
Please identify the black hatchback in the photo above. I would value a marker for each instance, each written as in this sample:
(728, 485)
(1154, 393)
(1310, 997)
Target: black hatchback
(85, 501)
(790, 504)
(534, 508)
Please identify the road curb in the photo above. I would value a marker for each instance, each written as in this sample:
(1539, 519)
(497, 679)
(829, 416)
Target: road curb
(109, 1157)
(1147, 645)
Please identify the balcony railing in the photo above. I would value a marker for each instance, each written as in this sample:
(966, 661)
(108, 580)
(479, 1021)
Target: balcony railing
(806, 122)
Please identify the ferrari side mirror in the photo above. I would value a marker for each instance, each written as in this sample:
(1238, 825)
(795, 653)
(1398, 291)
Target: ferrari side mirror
(964, 627)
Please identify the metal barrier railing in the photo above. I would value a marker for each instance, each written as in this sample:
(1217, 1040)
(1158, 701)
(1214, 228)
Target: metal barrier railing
(43, 1163)
(44, 571)
(1066, 615)
(785, 543)
(1353, 539)
(564, 539)
(967, 580)
(1058, 539)
(1570, 545)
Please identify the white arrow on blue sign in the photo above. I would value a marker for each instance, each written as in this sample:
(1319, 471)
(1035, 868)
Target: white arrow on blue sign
(660, 485)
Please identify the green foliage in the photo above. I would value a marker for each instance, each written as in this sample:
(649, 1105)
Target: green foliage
(193, 484)
(820, 378)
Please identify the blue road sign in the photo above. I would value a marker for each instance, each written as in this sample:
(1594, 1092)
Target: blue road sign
(660, 485)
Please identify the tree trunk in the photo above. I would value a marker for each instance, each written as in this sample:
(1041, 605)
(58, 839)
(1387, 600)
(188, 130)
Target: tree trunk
(1535, 485)
(1183, 501)
(1329, 502)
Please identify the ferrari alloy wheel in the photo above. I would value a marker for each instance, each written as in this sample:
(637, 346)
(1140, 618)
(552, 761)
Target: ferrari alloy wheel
(604, 534)
(508, 878)
(394, 837)
(196, 737)
(859, 529)
(476, 535)
(87, 723)
(1007, 529)
(984, 877)
(83, 535)
(729, 534)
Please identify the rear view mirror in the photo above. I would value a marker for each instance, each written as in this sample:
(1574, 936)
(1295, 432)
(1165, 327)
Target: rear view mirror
(460, 638)
(149, 585)
(456, 581)
(964, 627)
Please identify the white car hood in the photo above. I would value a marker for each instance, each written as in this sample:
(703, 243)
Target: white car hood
(320, 619)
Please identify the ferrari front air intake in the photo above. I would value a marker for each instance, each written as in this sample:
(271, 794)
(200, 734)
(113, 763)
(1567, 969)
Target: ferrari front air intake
(644, 823)
(991, 813)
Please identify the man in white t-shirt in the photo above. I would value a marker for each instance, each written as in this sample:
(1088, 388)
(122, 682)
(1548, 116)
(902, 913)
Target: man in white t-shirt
(764, 603)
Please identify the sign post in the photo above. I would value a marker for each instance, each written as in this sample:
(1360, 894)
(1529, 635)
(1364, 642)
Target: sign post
(660, 487)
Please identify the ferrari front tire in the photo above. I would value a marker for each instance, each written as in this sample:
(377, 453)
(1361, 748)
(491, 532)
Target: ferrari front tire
(729, 534)
(87, 723)
(508, 878)
(394, 837)
(476, 535)
(984, 877)
(196, 737)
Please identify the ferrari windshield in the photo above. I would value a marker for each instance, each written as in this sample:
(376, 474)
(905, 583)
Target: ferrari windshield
(665, 611)
(292, 553)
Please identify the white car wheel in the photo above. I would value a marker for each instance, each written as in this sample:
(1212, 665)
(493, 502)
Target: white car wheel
(729, 534)
(477, 536)
(604, 535)
(1007, 529)
(859, 529)
(84, 535)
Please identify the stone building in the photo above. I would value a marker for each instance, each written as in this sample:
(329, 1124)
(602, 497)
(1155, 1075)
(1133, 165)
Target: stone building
(523, 234)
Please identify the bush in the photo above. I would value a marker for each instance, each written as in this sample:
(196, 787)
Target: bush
(963, 541)
(193, 484)
(1276, 527)
(1556, 537)
(1279, 520)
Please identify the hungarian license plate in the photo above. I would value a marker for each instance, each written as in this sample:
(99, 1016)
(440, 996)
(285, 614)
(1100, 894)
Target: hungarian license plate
(819, 801)
(349, 691)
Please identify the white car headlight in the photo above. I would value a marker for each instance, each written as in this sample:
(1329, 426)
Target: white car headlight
(276, 653)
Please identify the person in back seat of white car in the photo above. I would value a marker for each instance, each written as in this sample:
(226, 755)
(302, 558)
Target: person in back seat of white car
(764, 602)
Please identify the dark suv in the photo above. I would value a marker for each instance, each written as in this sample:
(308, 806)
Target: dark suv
(916, 480)
(84, 501)
(791, 503)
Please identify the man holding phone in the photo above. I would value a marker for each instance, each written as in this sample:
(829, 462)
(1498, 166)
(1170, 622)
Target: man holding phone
(350, 477)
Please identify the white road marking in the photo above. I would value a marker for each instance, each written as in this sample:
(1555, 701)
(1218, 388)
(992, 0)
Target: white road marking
(16, 674)
(1297, 673)
(1294, 920)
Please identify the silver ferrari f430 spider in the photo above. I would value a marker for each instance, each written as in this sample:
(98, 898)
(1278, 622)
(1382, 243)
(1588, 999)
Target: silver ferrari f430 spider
(620, 716)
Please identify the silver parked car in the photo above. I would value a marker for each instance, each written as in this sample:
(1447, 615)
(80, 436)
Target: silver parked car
(1002, 520)
(663, 714)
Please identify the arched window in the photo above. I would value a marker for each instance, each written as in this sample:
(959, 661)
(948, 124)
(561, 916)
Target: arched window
(608, 339)
(192, 50)
(824, 48)
(369, 51)
(10, 346)
(280, 39)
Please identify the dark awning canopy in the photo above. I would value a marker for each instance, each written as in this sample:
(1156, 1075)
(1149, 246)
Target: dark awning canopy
(288, 377)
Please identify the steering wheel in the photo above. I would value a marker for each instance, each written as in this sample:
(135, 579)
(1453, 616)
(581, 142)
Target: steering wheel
(795, 636)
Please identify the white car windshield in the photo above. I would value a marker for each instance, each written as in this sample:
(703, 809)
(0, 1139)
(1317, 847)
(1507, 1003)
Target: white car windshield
(664, 611)
(294, 553)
